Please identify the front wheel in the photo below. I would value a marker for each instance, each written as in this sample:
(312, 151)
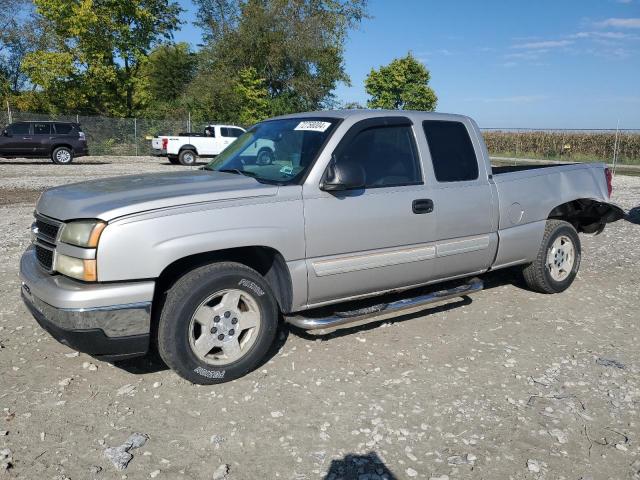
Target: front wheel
(62, 156)
(218, 323)
(558, 260)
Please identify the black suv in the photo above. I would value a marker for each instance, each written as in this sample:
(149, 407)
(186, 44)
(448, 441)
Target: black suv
(60, 141)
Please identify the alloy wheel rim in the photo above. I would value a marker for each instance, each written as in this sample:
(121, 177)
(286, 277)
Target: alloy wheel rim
(224, 327)
(561, 258)
(63, 156)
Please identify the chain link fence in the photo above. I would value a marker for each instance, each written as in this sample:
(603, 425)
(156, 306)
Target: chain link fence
(132, 136)
(114, 136)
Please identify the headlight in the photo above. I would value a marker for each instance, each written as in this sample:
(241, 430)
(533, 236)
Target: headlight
(82, 233)
(76, 267)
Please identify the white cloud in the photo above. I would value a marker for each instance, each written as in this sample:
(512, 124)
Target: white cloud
(607, 35)
(546, 44)
(620, 23)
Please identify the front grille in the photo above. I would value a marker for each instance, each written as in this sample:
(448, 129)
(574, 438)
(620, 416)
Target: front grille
(47, 230)
(45, 257)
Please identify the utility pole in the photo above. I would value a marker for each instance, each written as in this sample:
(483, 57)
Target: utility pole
(9, 112)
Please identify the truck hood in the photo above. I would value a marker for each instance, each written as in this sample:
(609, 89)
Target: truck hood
(110, 198)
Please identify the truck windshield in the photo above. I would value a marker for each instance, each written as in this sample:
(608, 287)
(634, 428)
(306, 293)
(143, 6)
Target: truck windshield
(276, 151)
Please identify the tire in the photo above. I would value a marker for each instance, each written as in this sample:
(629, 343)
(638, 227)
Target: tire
(174, 160)
(187, 157)
(558, 260)
(62, 156)
(265, 156)
(207, 353)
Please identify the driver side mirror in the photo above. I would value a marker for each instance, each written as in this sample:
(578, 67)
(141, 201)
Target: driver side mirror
(343, 176)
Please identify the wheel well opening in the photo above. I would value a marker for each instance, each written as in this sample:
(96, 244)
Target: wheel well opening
(266, 261)
(587, 215)
(58, 145)
(188, 147)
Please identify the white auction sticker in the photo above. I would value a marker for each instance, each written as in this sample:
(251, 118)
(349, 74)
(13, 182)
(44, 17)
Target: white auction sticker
(313, 126)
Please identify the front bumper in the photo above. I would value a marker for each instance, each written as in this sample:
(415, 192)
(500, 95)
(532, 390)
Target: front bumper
(109, 321)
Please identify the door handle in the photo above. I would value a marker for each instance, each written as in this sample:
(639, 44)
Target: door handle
(422, 205)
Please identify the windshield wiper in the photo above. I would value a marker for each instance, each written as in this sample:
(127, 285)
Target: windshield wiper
(238, 171)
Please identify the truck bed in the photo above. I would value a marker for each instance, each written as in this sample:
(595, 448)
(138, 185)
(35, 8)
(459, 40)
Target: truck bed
(497, 170)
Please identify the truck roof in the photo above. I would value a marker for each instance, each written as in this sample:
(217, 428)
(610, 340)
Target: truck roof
(362, 114)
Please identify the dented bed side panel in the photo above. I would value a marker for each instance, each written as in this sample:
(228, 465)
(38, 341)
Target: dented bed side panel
(527, 197)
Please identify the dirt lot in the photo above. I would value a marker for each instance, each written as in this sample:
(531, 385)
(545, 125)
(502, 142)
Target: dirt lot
(508, 384)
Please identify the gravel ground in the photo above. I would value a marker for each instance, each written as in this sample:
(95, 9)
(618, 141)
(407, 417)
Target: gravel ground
(509, 384)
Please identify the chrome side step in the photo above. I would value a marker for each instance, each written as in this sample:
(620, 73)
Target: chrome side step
(323, 325)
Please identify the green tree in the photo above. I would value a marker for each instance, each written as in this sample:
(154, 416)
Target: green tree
(163, 78)
(19, 33)
(221, 95)
(296, 46)
(92, 64)
(401, 85)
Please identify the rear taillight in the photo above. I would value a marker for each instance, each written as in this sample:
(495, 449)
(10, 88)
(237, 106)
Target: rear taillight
(607, 174)
(165, 142)
(81, 135)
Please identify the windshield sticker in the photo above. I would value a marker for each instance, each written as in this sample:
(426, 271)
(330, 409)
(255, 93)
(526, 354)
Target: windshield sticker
(287, 170)
(313, 126)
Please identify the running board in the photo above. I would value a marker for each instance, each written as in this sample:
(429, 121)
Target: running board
(323, 325)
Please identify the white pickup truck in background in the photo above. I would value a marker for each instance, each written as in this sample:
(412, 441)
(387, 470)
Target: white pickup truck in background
(185, 148)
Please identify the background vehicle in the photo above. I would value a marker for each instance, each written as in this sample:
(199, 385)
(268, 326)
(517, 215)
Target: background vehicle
(187, 147)
(354, 204)
(60, 141)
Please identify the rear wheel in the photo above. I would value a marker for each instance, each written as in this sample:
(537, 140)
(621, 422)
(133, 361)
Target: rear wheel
(558, 260)
(218, 323)
(62, 156)
(265, 156)
(187, 157)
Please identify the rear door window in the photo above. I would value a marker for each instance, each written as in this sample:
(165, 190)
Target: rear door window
(42, 129)
(225, 132)
(19, 129)
(63, 128)
(235, 132)
(452, 153)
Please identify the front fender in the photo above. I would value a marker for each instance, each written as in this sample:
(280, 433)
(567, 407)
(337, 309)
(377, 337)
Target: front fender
(141, 248)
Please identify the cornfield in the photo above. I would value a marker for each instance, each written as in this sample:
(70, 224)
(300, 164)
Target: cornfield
(570, 145)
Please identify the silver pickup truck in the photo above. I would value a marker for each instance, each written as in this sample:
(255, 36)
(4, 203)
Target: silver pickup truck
(205, 264)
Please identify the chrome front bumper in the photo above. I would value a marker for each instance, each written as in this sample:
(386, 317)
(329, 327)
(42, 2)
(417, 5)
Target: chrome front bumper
(106, 320)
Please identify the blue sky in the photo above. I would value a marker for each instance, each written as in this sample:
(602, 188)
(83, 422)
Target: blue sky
(510, 63)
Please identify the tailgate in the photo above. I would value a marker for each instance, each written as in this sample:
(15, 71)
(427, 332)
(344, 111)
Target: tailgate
(156, 143)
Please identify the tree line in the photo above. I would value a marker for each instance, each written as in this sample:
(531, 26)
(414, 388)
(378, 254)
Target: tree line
(256, 59)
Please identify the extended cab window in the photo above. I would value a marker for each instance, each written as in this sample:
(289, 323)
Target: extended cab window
(19, 129)
(41, 128)
(230, 132)
(387, 154)
(452, 154)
